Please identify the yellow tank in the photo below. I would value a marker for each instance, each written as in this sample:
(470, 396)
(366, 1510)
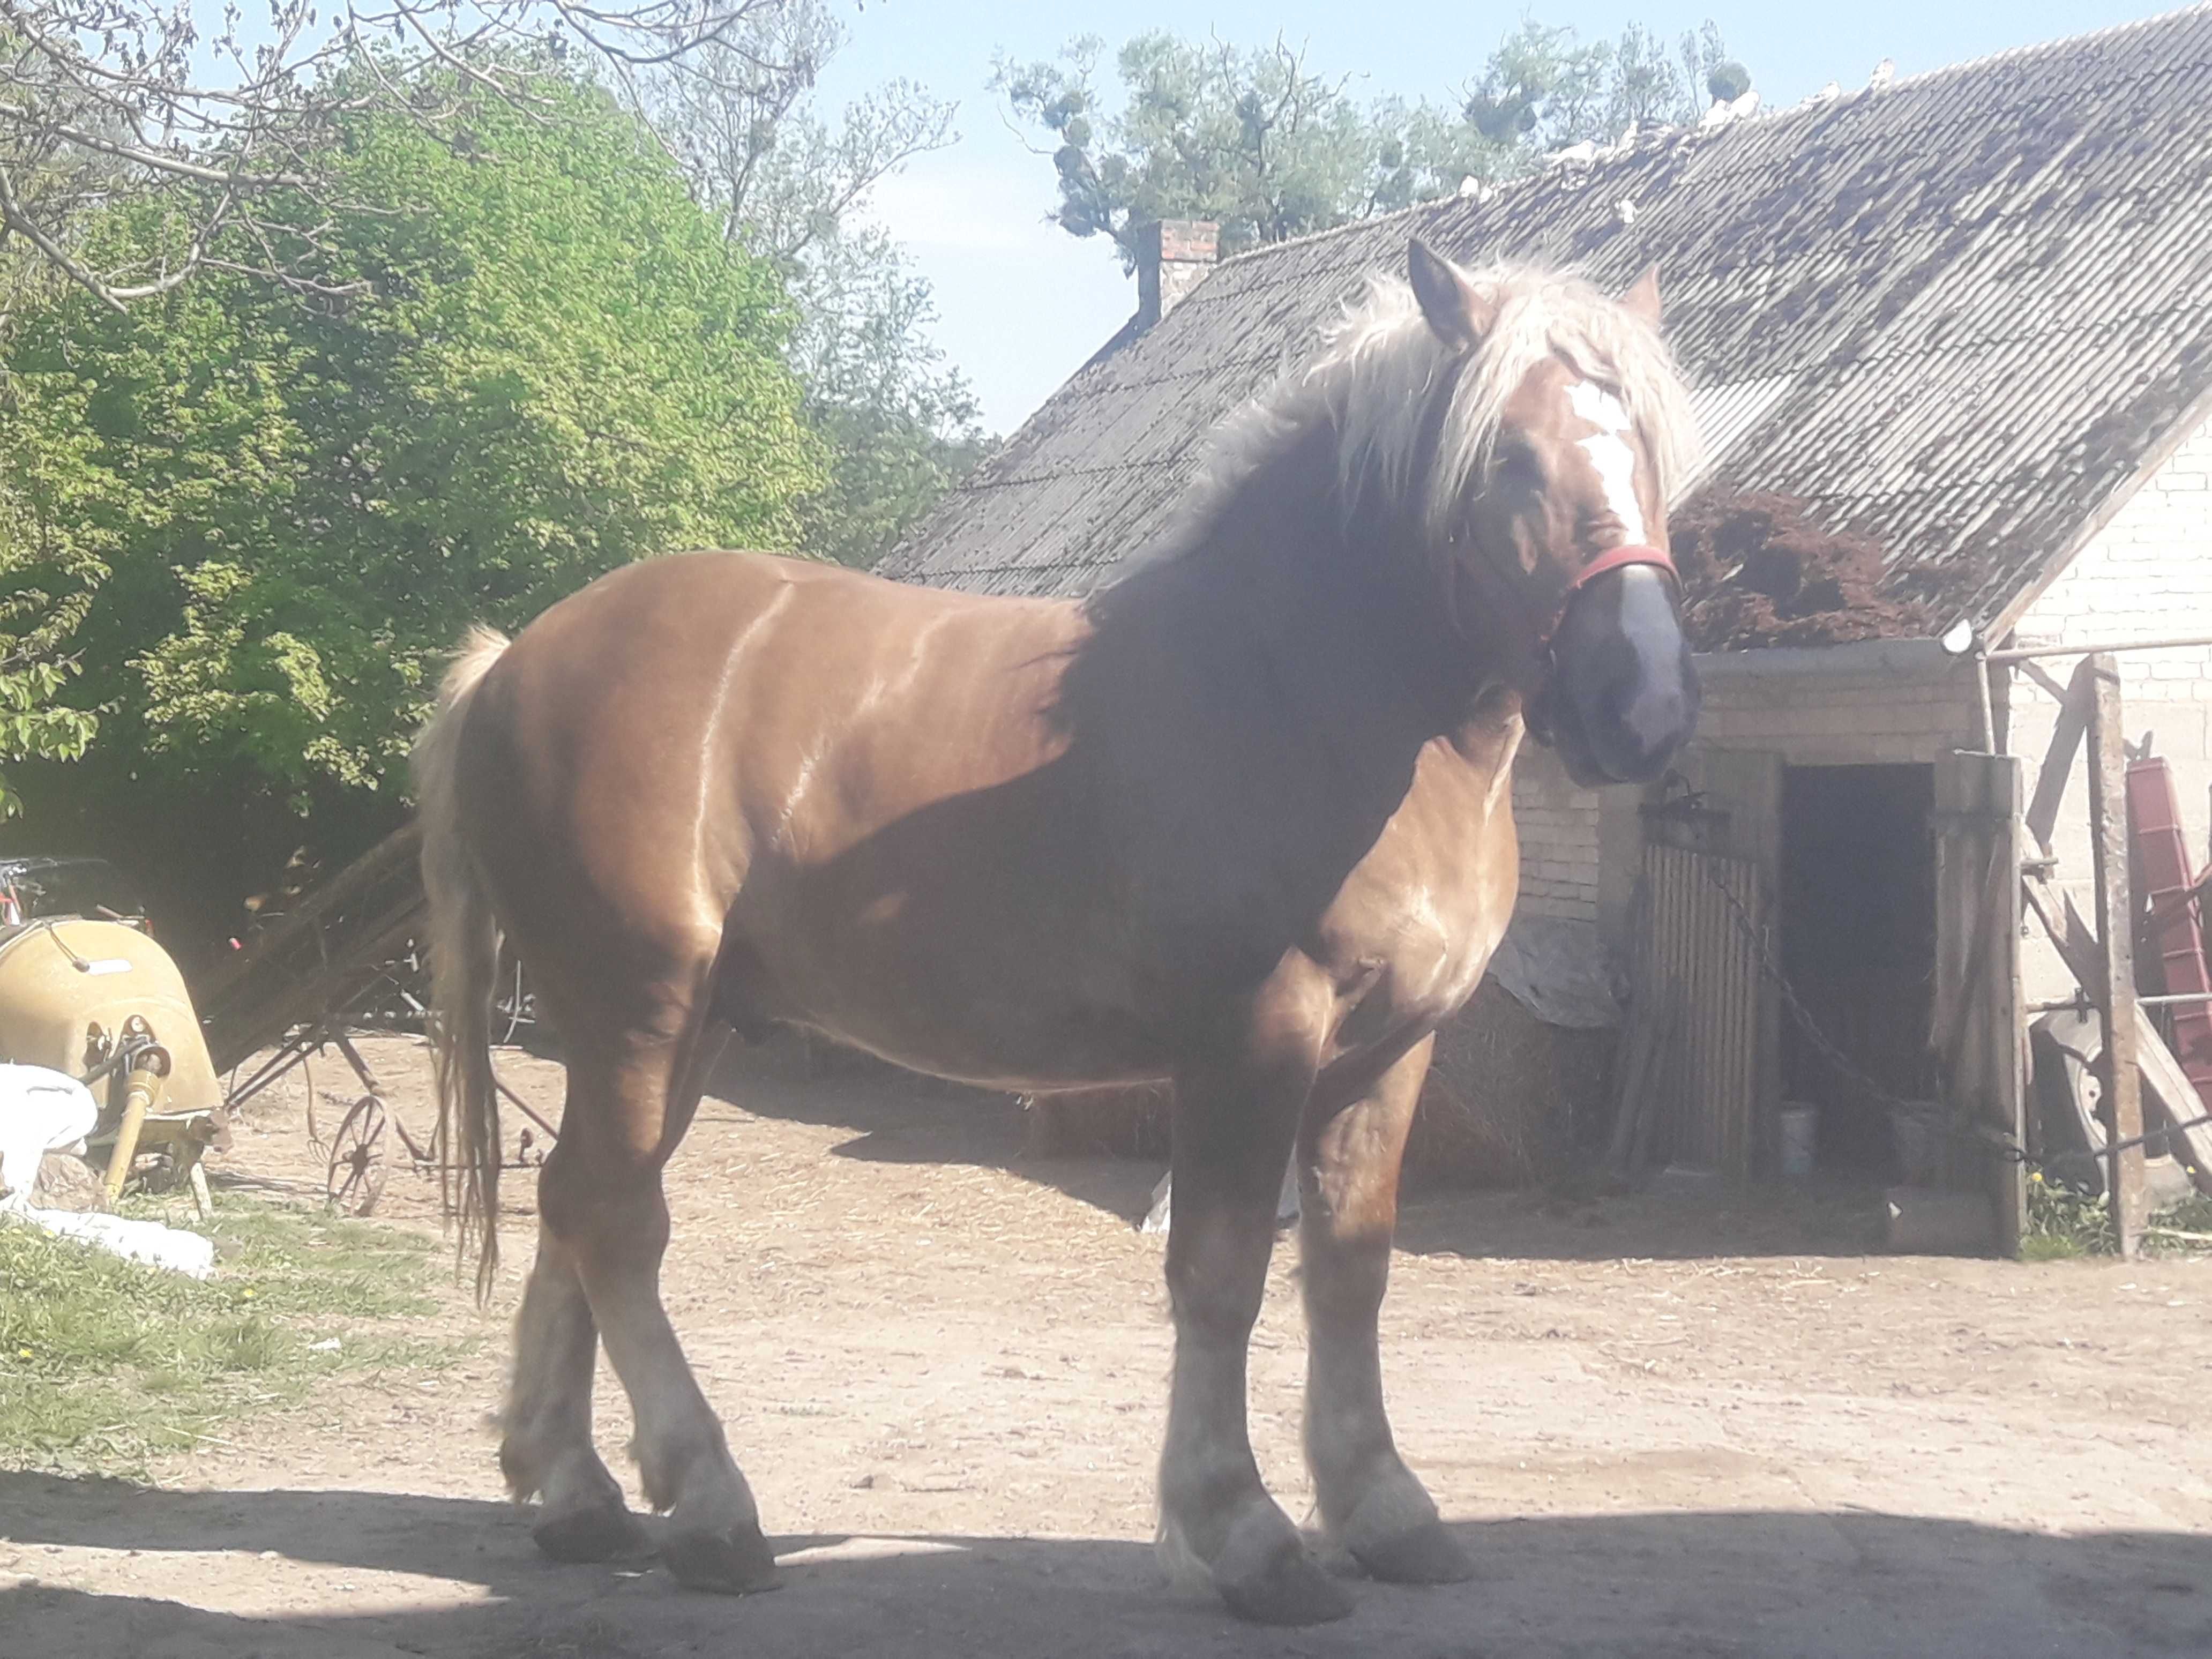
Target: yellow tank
(61, 979)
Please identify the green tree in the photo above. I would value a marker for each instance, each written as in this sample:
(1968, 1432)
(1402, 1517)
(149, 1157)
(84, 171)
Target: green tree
(789, 185)
(1270, 148)
(1545, 88)
(259, 520)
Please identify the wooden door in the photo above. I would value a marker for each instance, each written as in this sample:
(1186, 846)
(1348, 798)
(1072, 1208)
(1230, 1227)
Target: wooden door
(1706, 902)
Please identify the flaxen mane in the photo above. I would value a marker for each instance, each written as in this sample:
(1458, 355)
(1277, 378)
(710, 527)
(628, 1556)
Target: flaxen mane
(1383, 374)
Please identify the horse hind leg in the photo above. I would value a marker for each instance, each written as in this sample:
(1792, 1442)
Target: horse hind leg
(641, 1090)
(1371, 1505)
(545, 1446)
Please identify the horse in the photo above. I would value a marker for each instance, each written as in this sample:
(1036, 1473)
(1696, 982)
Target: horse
(1241, 820)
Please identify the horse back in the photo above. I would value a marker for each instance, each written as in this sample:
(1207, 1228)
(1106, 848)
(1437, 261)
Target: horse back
(854, 796)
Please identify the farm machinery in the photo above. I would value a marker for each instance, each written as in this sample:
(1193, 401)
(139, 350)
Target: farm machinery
(348, 955)
(85, 990)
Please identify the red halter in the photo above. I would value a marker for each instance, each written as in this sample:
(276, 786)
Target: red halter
(1613, 558)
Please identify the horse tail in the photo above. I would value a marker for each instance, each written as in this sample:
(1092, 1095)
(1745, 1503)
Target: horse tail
(464, 940)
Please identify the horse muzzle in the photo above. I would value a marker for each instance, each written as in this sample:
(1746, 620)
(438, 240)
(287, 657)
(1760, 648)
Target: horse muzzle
(1620, 695)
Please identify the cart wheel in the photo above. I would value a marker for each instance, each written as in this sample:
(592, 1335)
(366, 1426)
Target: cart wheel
(356, 1181)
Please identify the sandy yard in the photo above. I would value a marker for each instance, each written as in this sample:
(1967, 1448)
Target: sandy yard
(1664, 1430)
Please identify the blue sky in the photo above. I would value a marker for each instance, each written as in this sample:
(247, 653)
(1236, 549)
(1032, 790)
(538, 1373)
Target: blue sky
(1022, 304)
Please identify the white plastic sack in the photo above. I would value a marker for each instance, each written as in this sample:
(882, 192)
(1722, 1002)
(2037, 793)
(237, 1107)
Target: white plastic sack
(44, 1111)
(41, 1111)
(148, 1242)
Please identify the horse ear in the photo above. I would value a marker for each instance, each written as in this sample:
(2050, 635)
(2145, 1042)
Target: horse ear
(1455, 311)
(1641, 298)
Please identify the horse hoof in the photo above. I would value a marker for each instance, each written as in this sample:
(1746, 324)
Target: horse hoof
(1293, 1589)
(738, 1562)
(605, 1534)
(1426, 1554)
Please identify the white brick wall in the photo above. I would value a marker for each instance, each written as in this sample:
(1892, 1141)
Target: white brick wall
(1840, 719)
(1559, 837)
(2147, 575)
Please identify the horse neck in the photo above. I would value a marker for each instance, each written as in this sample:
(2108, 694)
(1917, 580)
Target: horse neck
(1354, 637)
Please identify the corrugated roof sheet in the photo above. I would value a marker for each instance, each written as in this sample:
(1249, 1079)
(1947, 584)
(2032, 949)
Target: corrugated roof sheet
(1958, 314)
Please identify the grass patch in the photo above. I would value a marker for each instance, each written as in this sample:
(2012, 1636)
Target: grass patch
(105, 1364)
(2062, 1224)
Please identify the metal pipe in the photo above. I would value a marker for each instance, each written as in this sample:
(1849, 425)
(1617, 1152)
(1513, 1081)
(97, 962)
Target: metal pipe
(1983, 704)
(2083, 1005)
(148, 1073)
(2193, 642)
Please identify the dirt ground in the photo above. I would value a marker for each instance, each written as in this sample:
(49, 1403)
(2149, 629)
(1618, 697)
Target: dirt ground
(1664, 1429)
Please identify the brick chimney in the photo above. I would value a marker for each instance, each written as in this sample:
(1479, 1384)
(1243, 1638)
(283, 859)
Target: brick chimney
(1173, 255)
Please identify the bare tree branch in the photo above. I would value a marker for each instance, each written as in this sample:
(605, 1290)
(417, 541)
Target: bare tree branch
(102, 100)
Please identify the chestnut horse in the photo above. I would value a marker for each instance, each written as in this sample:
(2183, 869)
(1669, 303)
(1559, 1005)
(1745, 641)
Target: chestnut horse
(1242, 820)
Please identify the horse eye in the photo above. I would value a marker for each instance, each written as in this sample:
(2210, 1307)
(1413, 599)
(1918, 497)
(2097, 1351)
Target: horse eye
(1516, 464)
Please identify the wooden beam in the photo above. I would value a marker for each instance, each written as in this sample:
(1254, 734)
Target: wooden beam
(2058, 759)
(2070, 935)
(2036, 671)
(1990, 899)
(2116, 1006)
(2167, 1084)
(2176, 1101)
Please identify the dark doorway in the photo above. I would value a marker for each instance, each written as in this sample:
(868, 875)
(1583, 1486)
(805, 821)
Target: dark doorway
(1858, 942)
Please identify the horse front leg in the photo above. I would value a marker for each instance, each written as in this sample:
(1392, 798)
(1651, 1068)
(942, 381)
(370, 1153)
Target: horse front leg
(1371, 1505)
(1235, 1122)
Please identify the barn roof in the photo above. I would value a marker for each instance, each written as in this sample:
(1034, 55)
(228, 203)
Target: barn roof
(1960, 316)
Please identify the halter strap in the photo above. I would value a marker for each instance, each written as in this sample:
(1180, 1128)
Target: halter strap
(1613, 558)
(1620, 557)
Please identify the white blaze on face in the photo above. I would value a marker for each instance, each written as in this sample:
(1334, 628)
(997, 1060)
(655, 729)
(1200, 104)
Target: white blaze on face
(1609, 452)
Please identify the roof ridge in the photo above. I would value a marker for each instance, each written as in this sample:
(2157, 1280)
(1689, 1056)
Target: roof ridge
(2056, 44)
(1690, 133)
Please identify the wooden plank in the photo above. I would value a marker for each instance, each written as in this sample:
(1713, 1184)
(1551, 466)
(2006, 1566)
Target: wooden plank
(2071, 936)
(2012, 1077)
(2116, 1007)
(2058, 759)
(2036, 671)
(2162, 1075)
(2175, 1098)
(1663, 1085)
(1978, 927)
(1635, 1066)
(1976, 1031)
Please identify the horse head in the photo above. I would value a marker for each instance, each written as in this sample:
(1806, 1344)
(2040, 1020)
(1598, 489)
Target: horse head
(1554, 435)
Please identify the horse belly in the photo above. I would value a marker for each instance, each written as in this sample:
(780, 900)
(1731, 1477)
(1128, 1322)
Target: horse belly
(956, 949)
(931, 1007)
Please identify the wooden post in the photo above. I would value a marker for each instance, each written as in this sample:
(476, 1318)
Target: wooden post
(2116, 1002)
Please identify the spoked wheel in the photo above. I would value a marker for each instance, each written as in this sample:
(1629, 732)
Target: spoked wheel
(355, 1180)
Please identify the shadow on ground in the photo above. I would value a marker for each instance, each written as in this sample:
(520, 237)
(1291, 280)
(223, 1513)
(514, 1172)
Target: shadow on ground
(902, 1117)
(1856, 1584)
(897, 1117)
